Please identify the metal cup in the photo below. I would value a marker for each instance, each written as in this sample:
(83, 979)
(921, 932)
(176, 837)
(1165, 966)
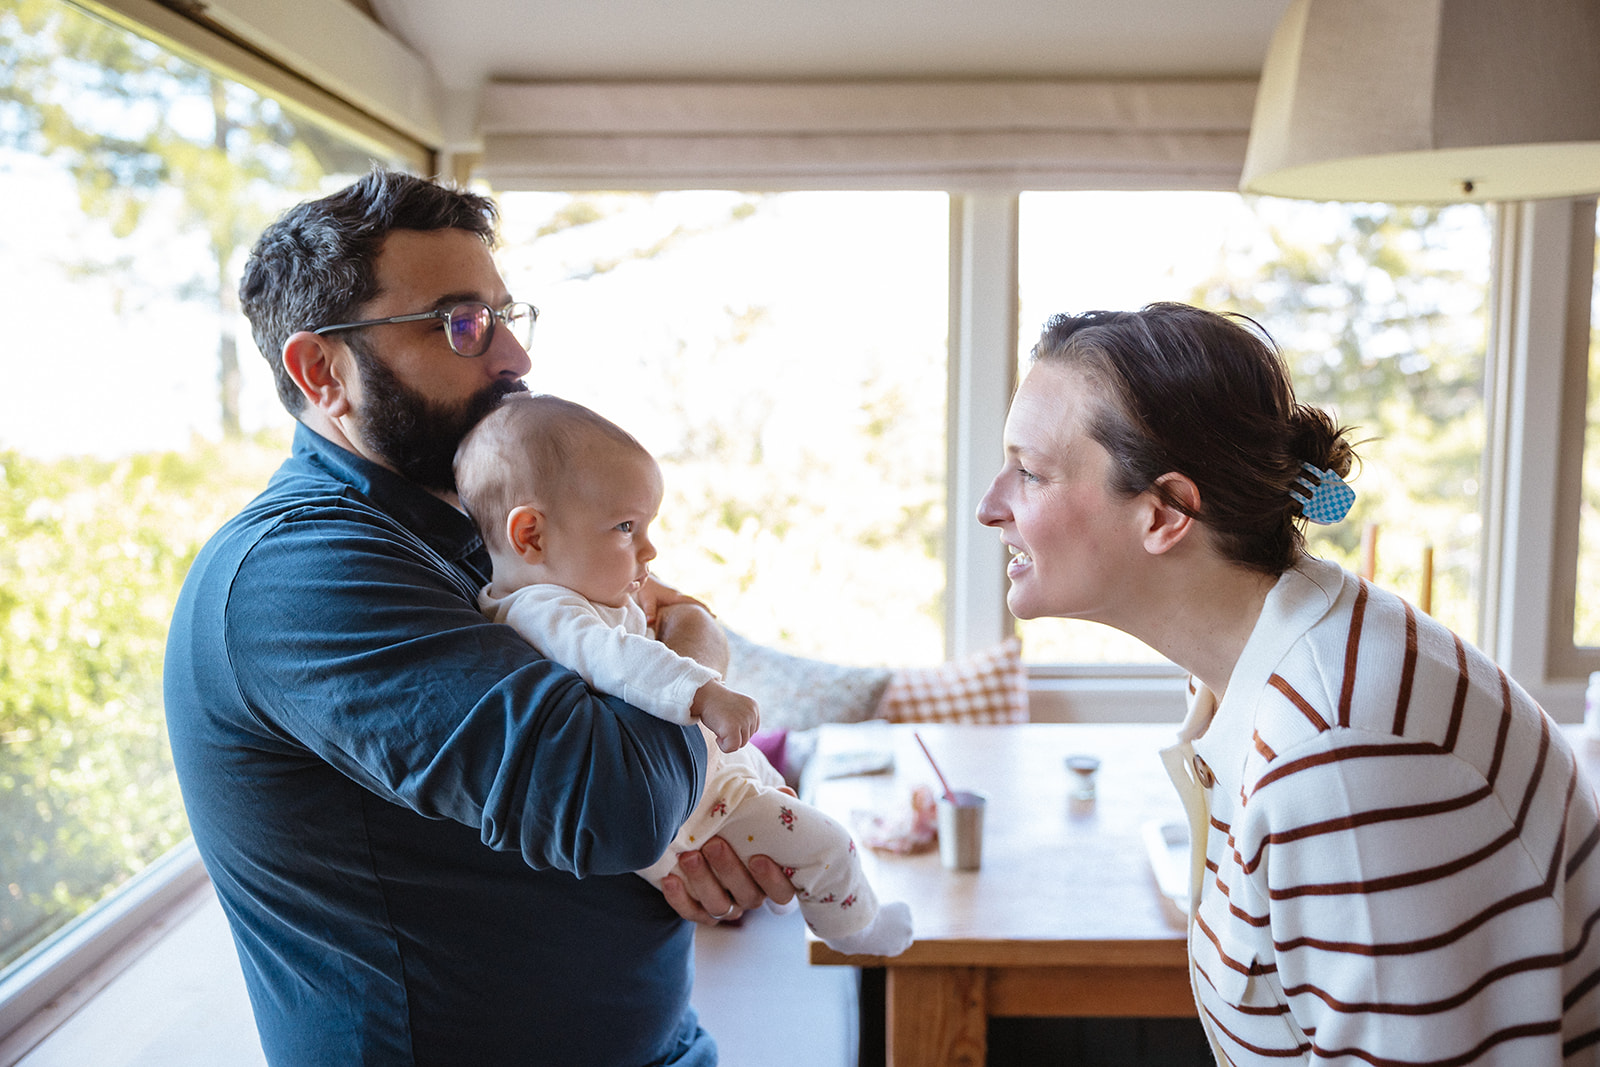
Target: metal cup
(961, 830)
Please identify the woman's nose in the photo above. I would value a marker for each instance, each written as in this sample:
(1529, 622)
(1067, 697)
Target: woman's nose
(990, 511)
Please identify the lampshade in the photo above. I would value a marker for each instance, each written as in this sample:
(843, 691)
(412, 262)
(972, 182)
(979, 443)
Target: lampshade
(1429, 101)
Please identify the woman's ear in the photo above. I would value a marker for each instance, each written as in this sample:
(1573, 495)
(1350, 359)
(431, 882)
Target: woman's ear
(313, 365)
(525, 532)
(1173, 499)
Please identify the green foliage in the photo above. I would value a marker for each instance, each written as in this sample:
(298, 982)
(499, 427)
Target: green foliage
(92, 554)
(158, 144)
(1382, 317)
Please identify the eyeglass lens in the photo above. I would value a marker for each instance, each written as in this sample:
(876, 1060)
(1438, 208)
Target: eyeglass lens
(471, 326)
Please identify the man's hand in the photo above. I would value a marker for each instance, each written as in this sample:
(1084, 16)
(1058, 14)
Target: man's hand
(690, 630)
(732, 716)
(656, 594)
(712, 886)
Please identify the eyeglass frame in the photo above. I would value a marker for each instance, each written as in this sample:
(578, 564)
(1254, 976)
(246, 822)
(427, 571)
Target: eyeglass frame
(497, 316)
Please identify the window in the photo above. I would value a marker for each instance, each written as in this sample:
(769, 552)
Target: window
(136, 416)
(1586, 623)
(783, 355)
(1381, 314)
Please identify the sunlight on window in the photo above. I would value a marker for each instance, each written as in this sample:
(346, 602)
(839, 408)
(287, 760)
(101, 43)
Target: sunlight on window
(137, 415)
(784, 357)
(1586, 624)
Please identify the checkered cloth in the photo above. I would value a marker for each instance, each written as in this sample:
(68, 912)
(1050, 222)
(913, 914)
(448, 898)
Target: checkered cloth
(985, 687)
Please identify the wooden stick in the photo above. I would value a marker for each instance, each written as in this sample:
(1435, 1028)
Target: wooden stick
(1426, 603)
(1369, 551)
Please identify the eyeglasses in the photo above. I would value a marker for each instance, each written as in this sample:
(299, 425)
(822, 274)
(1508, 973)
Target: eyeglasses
(469, 327)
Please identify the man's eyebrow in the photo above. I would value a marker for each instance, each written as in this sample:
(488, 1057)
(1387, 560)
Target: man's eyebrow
(450, 300)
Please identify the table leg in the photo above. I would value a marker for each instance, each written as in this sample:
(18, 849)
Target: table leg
(937, 1016)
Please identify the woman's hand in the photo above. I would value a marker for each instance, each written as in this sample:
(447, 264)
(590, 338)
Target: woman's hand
(712, 885)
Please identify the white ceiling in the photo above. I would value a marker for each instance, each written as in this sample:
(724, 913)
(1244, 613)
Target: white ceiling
(469, 42)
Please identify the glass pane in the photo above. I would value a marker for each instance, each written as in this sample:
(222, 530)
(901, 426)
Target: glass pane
(130, 424)
(1381, 314)
(784, 357)
(1586, 624)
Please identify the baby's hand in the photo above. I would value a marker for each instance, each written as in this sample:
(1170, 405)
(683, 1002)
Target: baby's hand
(732, 716)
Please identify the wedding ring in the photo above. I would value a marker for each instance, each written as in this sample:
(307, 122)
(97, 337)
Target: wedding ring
(731, 909)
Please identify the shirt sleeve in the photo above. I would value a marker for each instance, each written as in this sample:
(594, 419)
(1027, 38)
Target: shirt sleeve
(639, 669)
(1401, 911)
(359, 644)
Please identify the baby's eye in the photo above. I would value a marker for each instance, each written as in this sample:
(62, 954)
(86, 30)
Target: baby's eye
(625, 527)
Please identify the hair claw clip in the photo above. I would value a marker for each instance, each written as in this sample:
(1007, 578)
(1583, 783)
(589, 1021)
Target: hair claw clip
(1329, 497)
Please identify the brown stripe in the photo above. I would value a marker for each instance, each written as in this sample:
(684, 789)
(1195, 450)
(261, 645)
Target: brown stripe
(1576, 993)
(1581, 853)
(1571, 1048)
(1277, 1053)
(1503, 732)
(1583, 939)
(1277, 682)
(1426, 944)
(1368, 818)
(1408, 670)
(1510, 1033)
(1264, 749)
(1252, 970)
(1460, 703)
(1433, 1007)
(1409, 748)
(1399, 881)
(1352, 648)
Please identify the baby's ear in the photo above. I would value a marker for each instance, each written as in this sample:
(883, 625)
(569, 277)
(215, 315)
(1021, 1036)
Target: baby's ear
(525, 532)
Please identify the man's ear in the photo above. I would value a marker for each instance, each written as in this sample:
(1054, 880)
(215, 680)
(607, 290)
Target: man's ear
(525, 531)
(1166, 525)
(312, 361)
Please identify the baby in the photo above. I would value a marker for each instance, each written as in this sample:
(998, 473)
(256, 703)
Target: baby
(564, 499)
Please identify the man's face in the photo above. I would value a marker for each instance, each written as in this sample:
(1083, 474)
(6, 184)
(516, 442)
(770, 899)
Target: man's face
(415, 398)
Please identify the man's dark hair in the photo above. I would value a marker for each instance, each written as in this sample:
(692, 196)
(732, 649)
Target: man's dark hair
(313, 267)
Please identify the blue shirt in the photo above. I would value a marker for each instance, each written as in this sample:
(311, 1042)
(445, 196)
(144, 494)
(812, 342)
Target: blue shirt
(421, 832)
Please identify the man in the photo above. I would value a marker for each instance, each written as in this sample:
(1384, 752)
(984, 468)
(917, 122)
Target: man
(420, 831)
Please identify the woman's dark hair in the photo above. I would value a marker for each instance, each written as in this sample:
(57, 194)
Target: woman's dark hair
(1207, 396)
(313, 267)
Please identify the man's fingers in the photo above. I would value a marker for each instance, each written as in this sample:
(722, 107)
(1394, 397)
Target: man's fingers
(731, 875)
(693, 892)
(774, 883)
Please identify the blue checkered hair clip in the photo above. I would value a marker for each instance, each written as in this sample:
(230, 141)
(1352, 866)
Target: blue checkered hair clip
(1325, 501)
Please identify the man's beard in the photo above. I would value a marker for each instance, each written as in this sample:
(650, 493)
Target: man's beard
(412, 435)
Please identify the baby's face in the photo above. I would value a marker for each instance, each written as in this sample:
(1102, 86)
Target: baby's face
(597, 541)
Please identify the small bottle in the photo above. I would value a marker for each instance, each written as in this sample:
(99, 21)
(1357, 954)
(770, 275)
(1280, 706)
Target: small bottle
(1591, 706)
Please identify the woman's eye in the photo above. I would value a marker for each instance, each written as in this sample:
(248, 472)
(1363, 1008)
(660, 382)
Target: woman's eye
(1025, 474)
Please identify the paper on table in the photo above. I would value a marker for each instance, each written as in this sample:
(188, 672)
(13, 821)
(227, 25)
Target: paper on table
(1167, 844)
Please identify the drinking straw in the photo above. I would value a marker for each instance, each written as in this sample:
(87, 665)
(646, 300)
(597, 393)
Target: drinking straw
(949, 794)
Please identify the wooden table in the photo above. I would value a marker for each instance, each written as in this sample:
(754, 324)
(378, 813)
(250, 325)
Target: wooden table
(1063, 919)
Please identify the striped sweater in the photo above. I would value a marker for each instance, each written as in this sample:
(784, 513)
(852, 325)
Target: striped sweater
(1399, 858)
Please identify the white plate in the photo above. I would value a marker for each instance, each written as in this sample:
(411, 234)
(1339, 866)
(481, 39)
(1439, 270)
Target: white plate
(1167, 844)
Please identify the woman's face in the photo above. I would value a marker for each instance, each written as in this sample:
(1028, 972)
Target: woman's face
(1074, 542)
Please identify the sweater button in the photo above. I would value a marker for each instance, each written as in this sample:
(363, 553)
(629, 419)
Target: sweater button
(1202, 773)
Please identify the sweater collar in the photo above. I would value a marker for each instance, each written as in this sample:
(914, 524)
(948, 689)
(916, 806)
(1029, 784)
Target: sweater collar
(446, 529)
(1222, 730)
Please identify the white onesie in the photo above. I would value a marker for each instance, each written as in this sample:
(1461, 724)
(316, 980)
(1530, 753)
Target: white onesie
(743, 801)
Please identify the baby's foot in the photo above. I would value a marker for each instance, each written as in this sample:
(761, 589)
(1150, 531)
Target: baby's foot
(887, 935)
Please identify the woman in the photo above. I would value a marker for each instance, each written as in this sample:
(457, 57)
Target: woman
(1393, 846)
